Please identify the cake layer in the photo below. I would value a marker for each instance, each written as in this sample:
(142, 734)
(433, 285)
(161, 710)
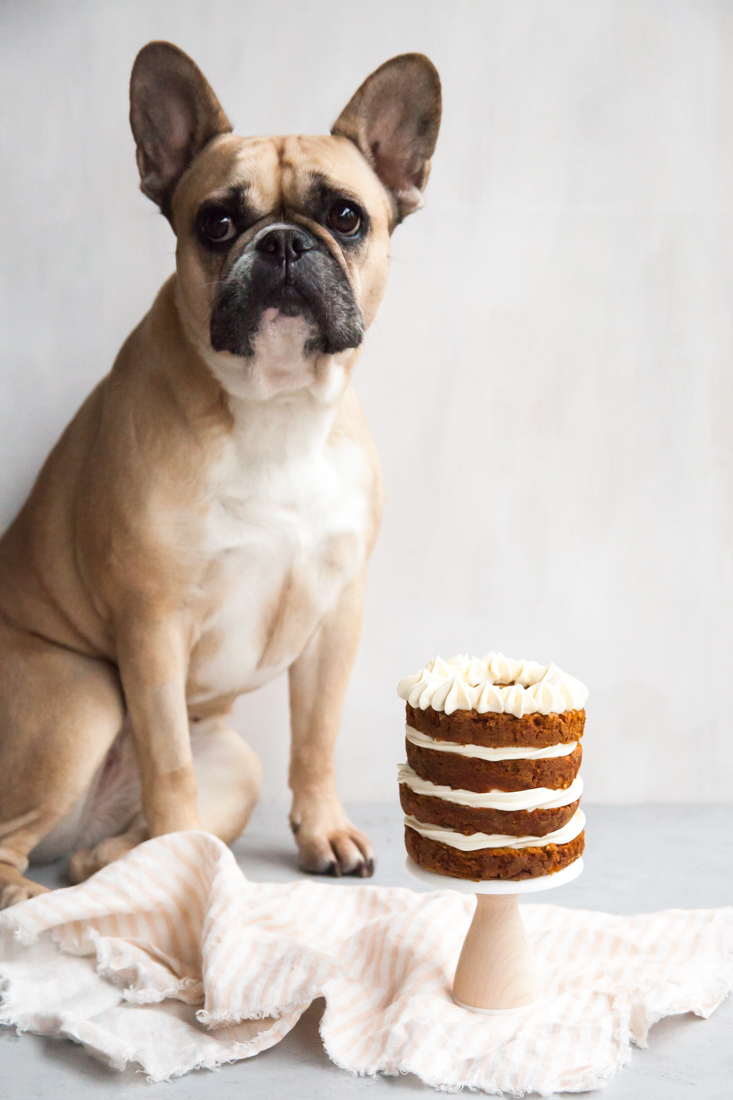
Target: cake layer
(468, 727)
(471, 774)
(467, 820)
(487, 863)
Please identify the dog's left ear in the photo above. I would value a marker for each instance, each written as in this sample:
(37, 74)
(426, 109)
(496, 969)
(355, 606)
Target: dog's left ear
(173, 115)
(394, 119)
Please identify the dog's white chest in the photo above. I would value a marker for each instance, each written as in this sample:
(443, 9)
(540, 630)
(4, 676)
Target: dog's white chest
(285, 532)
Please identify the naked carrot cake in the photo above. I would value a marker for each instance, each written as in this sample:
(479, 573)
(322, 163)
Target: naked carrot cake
(491, 786)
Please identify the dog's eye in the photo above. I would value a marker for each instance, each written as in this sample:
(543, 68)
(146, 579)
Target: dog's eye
(344, 218)
(217, 226)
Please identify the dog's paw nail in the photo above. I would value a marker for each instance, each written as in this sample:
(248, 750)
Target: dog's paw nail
(335, 869)
(364, 868)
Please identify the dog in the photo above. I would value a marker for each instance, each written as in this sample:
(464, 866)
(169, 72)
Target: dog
(204, 522)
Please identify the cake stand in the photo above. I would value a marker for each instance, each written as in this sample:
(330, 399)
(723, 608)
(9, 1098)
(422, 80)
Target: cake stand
(496, 972)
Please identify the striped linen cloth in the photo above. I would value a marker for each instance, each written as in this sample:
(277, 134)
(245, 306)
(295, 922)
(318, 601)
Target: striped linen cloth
(171, 959)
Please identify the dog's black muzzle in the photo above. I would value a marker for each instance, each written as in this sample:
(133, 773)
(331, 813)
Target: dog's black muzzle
(292, 271)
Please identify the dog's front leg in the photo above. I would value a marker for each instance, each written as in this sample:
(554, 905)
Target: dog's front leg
(153, 663)
(327, 841)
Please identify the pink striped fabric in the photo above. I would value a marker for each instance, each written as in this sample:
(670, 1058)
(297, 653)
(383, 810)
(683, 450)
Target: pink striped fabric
(171, 959)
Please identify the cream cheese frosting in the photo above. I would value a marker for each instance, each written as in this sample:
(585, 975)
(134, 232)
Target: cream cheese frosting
(486, 752)
(476, 841)
(493, 684)
(538, 798)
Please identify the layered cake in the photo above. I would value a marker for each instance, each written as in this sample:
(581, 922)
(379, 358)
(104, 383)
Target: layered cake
(491, 786)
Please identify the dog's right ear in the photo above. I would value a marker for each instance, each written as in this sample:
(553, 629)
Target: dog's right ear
(173, 115)
(394, 118)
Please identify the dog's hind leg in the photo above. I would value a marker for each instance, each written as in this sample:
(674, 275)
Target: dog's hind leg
(228, 779)
(59, 713)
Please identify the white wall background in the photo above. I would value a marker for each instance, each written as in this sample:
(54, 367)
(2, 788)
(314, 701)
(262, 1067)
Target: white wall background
(550, 380)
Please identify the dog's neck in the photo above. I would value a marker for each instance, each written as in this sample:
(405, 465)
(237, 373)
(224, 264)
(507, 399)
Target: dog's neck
(284, 429)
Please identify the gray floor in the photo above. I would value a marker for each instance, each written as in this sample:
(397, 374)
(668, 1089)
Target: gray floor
(640, 858)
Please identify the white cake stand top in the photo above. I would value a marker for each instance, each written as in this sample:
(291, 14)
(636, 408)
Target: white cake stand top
(496, 886)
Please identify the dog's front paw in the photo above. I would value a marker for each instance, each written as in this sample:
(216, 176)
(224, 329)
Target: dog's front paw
(329, 844)
(87, 861)
(14, 888)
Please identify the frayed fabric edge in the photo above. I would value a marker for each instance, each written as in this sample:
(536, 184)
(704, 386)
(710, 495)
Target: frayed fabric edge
(23, 933)
(714, 997)
(155, 996)
(275, 1012)
(588, 1082)
(132, 1056)
(94, 946)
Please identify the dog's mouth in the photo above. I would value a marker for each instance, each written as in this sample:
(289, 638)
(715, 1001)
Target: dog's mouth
(296, 276)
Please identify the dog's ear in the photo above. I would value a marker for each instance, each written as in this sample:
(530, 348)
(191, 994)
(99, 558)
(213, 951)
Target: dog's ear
(394, 119)
(173, 114)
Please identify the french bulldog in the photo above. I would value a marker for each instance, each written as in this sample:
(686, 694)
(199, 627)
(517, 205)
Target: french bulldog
(204, 522)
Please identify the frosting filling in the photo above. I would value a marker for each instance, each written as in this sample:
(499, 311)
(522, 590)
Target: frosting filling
(539, 798)
(477, 841)
(493, 684)
(485, 752)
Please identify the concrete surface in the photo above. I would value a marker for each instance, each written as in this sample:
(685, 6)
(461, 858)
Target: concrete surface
(639, 859)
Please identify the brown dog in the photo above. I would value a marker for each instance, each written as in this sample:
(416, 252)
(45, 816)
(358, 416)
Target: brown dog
(205, 521)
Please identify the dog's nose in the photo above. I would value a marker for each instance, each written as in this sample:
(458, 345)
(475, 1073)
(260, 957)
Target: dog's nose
(284, 245)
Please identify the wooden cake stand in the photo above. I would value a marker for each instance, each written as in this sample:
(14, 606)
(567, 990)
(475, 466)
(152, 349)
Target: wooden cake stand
(496, 971)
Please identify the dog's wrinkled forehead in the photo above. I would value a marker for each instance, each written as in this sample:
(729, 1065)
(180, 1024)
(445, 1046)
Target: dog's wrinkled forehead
(279, 176)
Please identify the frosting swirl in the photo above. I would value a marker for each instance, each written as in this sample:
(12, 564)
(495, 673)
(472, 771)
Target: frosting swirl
(493, 683)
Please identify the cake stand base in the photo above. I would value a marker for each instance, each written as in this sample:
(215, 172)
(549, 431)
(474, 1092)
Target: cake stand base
(496, 972)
